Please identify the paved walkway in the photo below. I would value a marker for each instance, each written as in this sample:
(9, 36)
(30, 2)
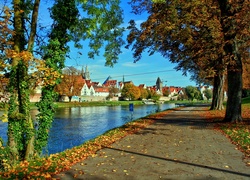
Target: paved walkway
(181, 145)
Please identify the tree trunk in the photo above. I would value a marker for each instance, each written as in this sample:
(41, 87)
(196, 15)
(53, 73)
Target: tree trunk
(14, 123)
(29, 153)
(233, 111)
(218, 92)
(230, 25)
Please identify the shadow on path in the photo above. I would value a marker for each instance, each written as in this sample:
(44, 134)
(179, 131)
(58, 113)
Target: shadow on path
(180, 162)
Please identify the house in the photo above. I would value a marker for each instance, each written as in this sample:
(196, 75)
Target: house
(109, 82)
(101, 91)
(87, 89)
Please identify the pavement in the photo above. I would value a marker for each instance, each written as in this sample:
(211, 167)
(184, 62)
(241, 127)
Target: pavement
(180, 145)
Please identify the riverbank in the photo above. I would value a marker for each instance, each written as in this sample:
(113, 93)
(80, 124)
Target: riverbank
(160, 139)
(58, 163)
(122, 103)
(180, 144)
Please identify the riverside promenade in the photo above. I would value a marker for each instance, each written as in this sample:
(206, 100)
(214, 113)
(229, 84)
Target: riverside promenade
(180, 145)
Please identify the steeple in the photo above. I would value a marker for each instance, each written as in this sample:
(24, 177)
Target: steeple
(82, 73)
(159, 84)
(86, 74)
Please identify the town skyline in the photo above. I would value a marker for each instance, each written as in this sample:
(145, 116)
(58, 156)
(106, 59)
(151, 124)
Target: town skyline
(168, 76)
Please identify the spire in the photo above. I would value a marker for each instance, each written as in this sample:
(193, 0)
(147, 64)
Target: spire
(86, 74)
(82, 73)
(159, 84)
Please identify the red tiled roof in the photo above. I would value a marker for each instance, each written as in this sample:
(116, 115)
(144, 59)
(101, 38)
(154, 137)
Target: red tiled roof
(101, 89)
(110, 83)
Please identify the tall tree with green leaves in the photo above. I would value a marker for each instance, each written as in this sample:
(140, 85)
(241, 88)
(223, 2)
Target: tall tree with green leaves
(192, 34)
(193, 93)
(101, 27)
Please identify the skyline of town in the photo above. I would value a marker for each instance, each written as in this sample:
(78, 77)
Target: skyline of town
(168, 76)
(127, 78)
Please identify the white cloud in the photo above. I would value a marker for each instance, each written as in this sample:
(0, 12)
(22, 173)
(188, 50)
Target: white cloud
(133, 65)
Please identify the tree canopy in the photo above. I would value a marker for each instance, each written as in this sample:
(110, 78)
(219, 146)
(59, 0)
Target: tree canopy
(206, 38)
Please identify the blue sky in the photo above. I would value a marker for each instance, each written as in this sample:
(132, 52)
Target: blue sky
(146, 71)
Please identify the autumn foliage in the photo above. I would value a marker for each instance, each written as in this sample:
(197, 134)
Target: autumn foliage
(205, 38)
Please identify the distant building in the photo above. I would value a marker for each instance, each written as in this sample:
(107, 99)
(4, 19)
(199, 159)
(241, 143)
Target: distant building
(159, 85)
(109, 82)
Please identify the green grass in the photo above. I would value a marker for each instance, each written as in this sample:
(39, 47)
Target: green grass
(96, 103)
(246, 100)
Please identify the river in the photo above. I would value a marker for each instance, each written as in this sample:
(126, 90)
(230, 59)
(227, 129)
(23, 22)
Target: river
(74, 126)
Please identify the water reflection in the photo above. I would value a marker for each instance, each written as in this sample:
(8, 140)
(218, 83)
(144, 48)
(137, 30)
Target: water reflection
(73, 126)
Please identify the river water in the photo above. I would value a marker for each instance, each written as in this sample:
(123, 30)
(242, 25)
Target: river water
(74, 126)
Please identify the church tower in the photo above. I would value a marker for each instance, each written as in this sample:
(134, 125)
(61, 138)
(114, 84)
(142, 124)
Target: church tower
(159, 84)
(85, 74)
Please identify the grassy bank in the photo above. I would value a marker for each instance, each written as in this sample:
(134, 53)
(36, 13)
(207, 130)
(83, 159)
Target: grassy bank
(115, 103)
(96, 103)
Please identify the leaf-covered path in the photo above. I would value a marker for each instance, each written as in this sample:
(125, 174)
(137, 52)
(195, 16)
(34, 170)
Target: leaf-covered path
(181, 145)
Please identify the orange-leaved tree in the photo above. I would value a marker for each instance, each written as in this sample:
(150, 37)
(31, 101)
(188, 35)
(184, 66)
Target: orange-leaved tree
(195, 35)
(71, 83)
(130, 92)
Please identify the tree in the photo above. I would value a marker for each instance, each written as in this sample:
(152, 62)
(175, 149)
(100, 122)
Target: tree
(113, 91)
(71, 83)
(166, 93)
(185, 40)
(153, 95)
(208, 93)
(130, 92)
(198, 36)
(234, 20)
(100, 26)
(144, 93)
(192, 93)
